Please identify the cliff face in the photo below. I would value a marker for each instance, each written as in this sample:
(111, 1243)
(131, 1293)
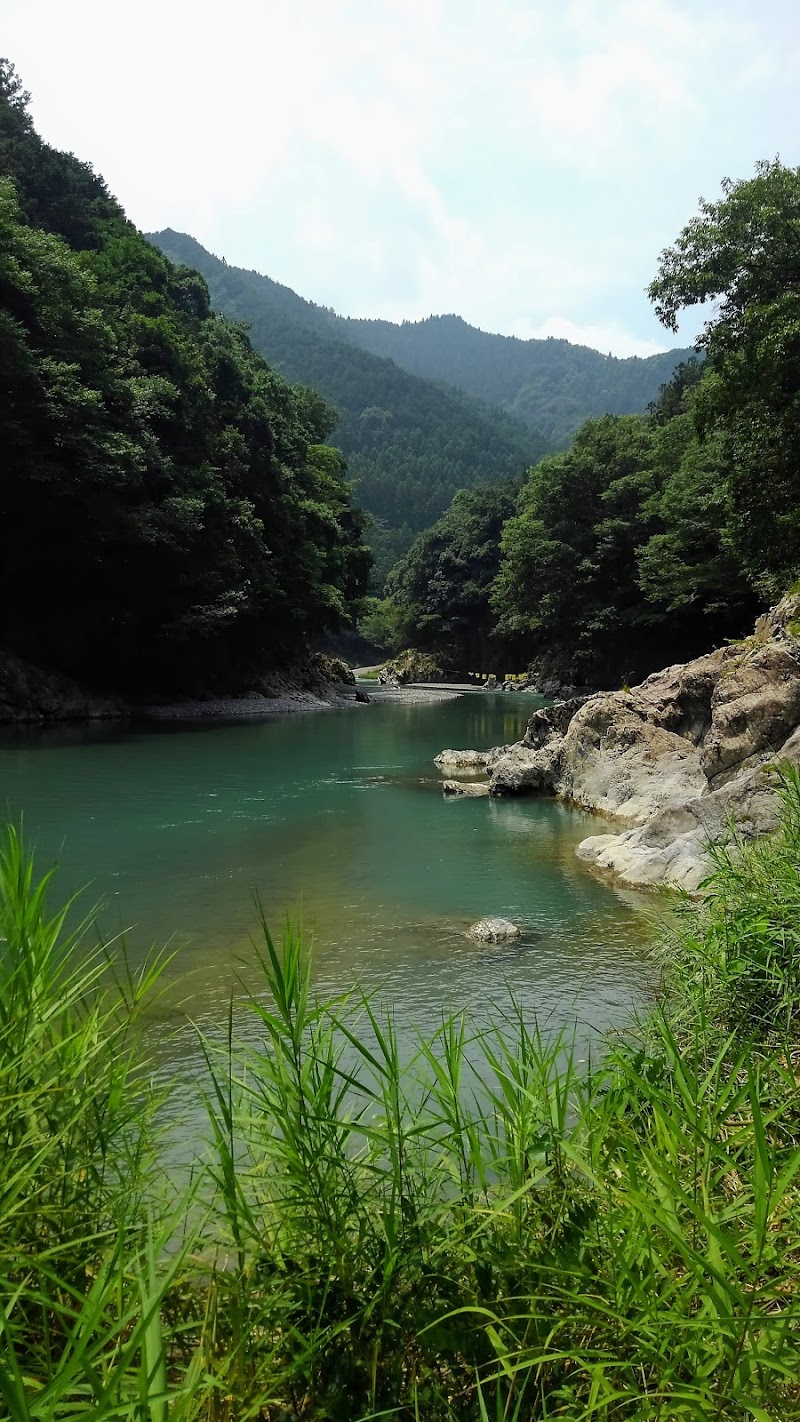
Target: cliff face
(674, 759)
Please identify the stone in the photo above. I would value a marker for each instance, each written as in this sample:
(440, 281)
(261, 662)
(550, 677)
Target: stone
(522, 771)
(462, 759)
(494, 930)
(362, 696)
(464, 788)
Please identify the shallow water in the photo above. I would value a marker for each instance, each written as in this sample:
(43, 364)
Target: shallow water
(335, 820)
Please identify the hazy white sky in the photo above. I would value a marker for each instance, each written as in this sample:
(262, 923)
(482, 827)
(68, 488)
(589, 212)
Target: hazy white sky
(520, 162)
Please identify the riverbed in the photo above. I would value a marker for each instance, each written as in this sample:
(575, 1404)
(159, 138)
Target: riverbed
(337, 823)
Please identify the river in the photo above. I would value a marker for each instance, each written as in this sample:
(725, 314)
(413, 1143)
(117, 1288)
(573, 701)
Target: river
(335, 820)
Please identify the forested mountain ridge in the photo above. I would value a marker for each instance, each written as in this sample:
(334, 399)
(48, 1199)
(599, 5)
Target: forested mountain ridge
(171, 518)
(551, 384)
(410, 443)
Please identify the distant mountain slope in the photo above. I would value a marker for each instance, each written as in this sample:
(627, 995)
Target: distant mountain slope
(550, 384)
(410, 443)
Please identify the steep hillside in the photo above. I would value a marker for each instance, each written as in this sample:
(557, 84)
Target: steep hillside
(171, 519)
(410, 443)
(551, 385)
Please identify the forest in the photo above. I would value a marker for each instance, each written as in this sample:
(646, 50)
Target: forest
(654, 536)
(171, 517)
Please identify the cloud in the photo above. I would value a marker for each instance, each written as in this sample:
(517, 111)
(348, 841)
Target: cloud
(611, 339)
(521, 163)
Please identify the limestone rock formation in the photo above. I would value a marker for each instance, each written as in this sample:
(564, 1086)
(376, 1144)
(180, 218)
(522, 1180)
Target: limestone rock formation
(676, 759)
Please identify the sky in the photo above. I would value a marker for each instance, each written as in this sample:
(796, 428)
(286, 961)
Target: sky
(519, 162)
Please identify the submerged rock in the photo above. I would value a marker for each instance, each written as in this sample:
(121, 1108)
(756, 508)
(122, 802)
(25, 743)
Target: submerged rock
(494, 930)
(465, 788)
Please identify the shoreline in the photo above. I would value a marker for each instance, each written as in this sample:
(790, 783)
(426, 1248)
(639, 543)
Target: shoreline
(242, 707)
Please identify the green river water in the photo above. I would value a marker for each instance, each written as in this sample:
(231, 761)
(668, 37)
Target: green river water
(336, 820)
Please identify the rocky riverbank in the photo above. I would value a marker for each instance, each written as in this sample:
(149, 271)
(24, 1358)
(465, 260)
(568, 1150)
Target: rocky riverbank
(31, 695)
(674, 760)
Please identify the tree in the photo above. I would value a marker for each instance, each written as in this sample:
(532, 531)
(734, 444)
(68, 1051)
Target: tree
(441, 588)
(568, 582)
(743, 252)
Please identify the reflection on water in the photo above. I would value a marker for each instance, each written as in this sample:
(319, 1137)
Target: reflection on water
(331, 820)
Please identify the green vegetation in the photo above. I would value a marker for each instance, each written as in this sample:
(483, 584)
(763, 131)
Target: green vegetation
(658, 535)
(410, 443)
(610, 560)
(550, 384)
(170, 517)
(441, 589)
(617, 556)
(488, 1230)
(742, 253)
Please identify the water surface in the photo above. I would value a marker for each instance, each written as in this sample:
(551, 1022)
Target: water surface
(334, 819)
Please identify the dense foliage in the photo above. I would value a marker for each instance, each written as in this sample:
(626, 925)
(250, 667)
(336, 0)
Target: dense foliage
(410, 444)
(550, 384)
(441, 588)
(657, 535)
(616, 560)
(743, 253)
(170, 517)
(612, 560)
(492, 1229)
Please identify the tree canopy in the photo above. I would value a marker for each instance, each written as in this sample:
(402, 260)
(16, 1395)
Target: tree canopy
(655, 535)
(169, 514)
(742, 253)
(441, 588)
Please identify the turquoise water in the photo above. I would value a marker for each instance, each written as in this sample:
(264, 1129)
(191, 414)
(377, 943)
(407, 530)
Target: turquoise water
(334, 819)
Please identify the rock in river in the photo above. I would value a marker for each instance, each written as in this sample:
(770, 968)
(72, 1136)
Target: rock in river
(462, 759)
(470, 788)
(494, 930)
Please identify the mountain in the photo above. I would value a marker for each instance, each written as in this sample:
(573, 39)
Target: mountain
(550, 384)
(410, 443)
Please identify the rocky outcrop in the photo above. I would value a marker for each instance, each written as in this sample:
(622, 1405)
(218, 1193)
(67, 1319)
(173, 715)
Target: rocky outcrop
(674, 760)
(411, 666)
(494, 930)
(335, 670)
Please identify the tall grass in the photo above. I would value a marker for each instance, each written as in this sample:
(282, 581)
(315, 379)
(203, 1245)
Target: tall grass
(487, 1231)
